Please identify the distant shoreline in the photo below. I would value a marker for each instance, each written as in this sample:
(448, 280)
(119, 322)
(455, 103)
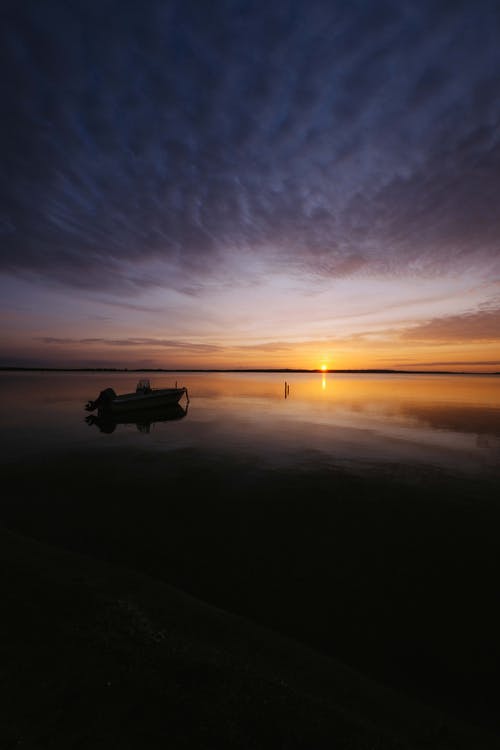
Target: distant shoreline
(247, 370)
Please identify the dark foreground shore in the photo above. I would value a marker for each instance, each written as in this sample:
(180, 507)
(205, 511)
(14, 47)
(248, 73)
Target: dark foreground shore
(350, 611)
(97, 656)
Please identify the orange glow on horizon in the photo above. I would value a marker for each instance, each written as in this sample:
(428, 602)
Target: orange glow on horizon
(128, 349)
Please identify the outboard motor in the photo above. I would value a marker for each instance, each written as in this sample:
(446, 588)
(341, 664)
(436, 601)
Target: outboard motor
(102, 401)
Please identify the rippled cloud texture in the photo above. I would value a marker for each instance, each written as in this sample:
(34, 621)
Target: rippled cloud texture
(184, 146)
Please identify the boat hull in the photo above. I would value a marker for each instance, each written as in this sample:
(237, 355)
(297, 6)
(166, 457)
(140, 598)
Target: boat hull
(143, 401)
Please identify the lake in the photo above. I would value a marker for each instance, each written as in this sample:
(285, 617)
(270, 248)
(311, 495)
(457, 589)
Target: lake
(358, 513)
(443, 421)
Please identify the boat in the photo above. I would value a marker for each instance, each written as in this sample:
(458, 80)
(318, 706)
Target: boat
(144, 397)
(143, 419)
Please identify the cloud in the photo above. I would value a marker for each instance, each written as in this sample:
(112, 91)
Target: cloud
(152, 343)
(335, 138)
(461, 363)
(482, 325)
(184, 346)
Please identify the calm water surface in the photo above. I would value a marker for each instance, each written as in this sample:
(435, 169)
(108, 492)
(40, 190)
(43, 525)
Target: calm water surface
(359, 514)
(451, 422)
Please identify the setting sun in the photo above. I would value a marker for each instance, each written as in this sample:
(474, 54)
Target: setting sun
(324, 368)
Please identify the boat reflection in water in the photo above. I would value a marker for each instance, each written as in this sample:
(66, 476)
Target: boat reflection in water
(143, 419)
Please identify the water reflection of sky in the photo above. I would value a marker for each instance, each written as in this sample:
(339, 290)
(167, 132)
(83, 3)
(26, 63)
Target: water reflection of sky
(447, 421)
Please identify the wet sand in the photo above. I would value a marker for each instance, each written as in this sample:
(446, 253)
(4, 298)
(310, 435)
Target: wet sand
(184, 599)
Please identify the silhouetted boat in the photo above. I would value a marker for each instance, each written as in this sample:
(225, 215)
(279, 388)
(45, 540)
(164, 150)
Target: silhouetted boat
(143, 418)
(144, 397)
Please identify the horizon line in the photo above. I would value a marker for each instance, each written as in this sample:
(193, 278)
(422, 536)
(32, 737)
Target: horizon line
(9, 368)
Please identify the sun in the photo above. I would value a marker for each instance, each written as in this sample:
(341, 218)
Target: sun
(324, 368)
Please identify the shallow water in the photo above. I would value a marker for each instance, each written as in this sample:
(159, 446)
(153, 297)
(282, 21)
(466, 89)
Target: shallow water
(445, 421)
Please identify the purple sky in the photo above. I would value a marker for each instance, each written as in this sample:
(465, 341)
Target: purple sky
(250, 184)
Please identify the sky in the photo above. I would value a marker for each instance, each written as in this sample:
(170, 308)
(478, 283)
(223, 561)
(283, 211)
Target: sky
(245, 184)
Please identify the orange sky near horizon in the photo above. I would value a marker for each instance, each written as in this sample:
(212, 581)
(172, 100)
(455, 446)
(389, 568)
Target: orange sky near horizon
(442, 323)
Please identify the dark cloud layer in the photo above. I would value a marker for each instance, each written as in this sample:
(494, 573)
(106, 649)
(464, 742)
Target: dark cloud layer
(340, 136)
